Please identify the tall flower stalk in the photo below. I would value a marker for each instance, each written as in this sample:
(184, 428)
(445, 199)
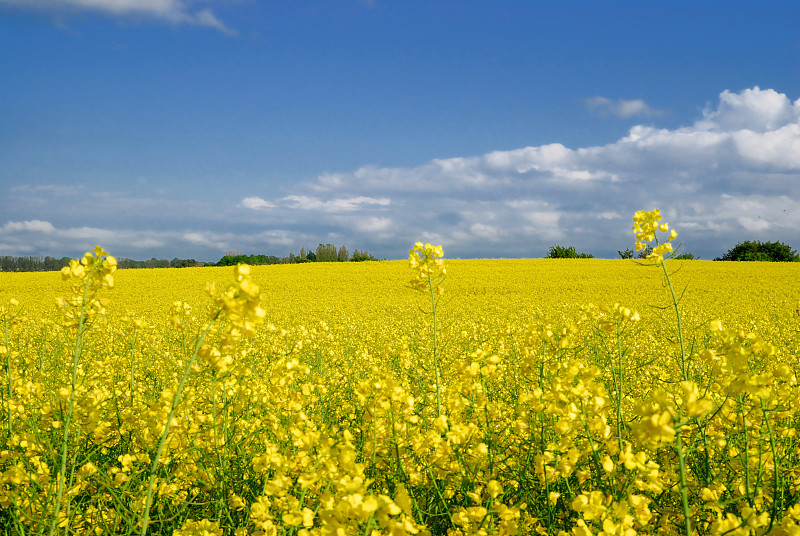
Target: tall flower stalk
(88, 275)
(645, 226)
(239, 310)
(429, 274)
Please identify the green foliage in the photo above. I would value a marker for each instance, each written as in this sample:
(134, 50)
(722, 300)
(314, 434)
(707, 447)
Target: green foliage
(760, 251)
(183, 263)
(360, 256)
(627, 254)
(686, 257)
(561, 252)
(326, 253)
(32, 264)
(253, 260)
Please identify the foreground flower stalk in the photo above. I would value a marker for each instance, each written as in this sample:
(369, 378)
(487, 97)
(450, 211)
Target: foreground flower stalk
(646, 228)
(87, 275)
(426, 260)
(239, 306)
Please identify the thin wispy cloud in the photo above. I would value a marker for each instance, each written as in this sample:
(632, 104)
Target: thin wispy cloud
(171, 11)
(624, 109)
(304, 202)
(37, 226)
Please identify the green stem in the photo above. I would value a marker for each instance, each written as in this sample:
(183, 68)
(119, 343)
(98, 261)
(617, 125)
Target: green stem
(70, 406)
(775, 470)
(682, 468)
(165, 433)
(680, 326)
(8, 375)
(435, 355)
(619, 388)
(220, 461)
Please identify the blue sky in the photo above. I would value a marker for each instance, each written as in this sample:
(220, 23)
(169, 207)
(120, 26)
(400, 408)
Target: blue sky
(182, 128)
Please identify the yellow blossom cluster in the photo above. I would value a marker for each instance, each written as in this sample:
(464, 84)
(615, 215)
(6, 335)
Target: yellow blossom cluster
(645, 225)
(302, 399)
(428, 265)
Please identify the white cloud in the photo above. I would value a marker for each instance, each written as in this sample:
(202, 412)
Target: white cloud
(732, 175)
(587, 196)
(621, 108)
(173, 11)
(752, 109)
(256, 203)
(37, 226)
(304, 202)
(373, 224)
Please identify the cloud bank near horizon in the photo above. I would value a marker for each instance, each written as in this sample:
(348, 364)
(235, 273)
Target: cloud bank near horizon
(733, 175)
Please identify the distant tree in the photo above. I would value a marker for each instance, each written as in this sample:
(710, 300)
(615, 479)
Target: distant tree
(182, 263)
(311, 256)
(326, 253)
(760, 251)
(561, 252)
(126, 263)
(302, 253)
(627, 254)
(156, 263)
(360, 256)
(343, 255)
(644, 253)
(686, 257)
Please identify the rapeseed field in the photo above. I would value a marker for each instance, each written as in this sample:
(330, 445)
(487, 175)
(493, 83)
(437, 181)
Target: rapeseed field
(428, 396)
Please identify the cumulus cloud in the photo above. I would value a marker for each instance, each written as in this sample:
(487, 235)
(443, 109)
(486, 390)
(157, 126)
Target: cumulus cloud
(173, 11)
(732, 175)
(621, 108)
(256, 203)
(753, 109)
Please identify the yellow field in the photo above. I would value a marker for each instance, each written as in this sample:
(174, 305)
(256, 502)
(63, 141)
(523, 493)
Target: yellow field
(555, 410)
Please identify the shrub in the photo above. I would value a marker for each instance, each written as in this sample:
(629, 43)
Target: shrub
(760, 251)
(561, 252)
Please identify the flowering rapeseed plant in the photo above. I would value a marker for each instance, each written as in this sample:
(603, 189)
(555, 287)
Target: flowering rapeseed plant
(556, 416)
(429, 273)
(428, 265)
(645, 226)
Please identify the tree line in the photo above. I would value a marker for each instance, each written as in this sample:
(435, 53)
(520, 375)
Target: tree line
(748, 250)
(32, 264)
(323, 253)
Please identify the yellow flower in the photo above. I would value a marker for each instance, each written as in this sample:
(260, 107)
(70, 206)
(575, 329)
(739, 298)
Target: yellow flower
(645, 225)
(426, 261)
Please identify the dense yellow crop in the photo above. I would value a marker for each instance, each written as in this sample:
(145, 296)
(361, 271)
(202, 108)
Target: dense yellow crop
(509, 397)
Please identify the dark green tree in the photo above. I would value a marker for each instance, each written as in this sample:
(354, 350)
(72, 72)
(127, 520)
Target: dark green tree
(326, 253)
(561, 252)
(750, 250)
(644, 253)
(360, 256)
